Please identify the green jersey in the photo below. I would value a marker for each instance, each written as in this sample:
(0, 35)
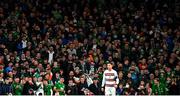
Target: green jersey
(18, 88)
(47, 89)
(159, 89)
(61, 87)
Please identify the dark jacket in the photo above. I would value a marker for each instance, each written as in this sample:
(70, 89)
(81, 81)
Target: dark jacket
(80, 87)
(74, 90)
(119, 91)
(96, 90)
(5, 89)
(28, 87)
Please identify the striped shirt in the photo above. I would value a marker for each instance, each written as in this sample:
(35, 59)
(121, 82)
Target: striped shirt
(110, 78)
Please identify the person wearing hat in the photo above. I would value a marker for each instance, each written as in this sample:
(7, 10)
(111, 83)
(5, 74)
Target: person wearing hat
(110, 80)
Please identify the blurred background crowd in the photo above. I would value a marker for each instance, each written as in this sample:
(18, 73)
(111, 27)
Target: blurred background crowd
(61, 46)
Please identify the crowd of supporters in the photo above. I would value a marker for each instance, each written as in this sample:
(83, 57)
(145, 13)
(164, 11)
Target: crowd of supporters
(61, 46)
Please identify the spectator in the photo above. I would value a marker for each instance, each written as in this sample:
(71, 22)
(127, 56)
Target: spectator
(95, 87)
(17, 87)
(6, 87)
(82, 86)
(72, 88)
(119, 90)
(53, 39)
(47, 88)
(59, 87)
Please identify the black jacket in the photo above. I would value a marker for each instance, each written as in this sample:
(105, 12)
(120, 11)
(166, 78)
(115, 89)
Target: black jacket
(5, 89)
(96, 90)
(82, 86)
(27, 87)
(74, 90)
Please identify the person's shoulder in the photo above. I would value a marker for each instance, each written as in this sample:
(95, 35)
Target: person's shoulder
(105, 70)
(114, 70)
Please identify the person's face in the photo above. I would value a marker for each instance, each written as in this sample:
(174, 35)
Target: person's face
(35, 79)
(61, 72)
(62, 80)
(144, 61)
(156, 81)
(6, 81)
(142, 82)
(151, 76)
(177, 67)
(10, 74)
(120, 86)
(38, 55)
(57, 74)
(82, 80)
(45, 82)
(95, 81)
(109, 66)
(156, 72)
(70, 81)
(120, 75)
(71, 73)
(17, 80)
(1, 75)
(10, 80)
(126, 62)
(17, 65)
(51, 48)
(129, 75)
(40, 79)
(55, 64)
(23, 56)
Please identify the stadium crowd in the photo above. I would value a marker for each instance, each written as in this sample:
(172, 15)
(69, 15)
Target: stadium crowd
(61, 46)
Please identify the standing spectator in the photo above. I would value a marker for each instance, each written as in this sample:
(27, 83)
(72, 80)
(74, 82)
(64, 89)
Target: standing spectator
(51, 55)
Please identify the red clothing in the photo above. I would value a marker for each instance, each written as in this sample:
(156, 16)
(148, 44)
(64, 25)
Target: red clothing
(142, 66)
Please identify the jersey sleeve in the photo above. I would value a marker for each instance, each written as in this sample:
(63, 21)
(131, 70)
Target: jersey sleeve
(103, 81)
(117, 79)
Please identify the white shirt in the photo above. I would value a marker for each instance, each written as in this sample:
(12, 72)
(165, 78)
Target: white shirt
(24, 44)
(50, 59)
(110, 78)
(73, 51)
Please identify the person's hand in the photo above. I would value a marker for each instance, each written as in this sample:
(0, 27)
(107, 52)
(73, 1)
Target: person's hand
(82, 89)
(69, 91)
(102, 89)
(17, 87)
(115, 86)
